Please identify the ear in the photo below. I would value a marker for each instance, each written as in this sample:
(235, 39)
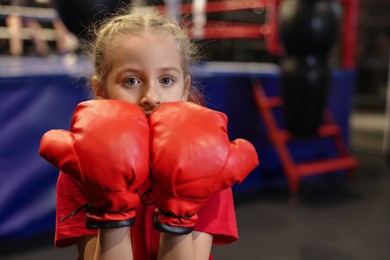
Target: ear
(98, 90)
(187, 86)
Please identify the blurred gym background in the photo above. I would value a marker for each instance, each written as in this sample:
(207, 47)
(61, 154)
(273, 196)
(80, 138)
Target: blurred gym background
(313, 99)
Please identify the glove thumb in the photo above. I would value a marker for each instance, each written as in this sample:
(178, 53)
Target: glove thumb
(242, 159)
(56, 147)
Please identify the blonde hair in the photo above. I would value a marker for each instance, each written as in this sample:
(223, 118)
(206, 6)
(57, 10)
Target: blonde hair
(136, 23)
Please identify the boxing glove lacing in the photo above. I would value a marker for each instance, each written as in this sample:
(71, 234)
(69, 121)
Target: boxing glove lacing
(75, 212)
(88, 209)
(144, 201)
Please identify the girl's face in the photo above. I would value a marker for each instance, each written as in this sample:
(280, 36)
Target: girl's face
(145, 70)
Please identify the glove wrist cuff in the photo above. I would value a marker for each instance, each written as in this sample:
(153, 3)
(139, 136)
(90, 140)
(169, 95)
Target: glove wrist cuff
(110, 224)
(167, 222)
(97, 218)
(172, 229)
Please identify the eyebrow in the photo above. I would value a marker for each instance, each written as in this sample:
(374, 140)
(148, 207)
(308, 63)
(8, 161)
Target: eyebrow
(164, 69)
(170, 68)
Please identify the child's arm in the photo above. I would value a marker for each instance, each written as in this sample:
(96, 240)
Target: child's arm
(192, 246)
(110, 243)
(114, 243)
(86, 247)
(202, 244)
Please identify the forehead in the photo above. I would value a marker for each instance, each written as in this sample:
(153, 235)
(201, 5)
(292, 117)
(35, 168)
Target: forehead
(146, 40)
(145, 47)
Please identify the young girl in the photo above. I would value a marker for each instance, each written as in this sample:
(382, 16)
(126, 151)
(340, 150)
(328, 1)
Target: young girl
(186, 205)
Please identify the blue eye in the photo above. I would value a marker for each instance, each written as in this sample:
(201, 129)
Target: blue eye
(166, 81)
(132, 81)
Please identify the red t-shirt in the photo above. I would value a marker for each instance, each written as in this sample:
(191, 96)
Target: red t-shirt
(217, 217)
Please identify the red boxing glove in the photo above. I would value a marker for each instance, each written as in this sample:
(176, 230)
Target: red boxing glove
(192, 158)
(107, 151)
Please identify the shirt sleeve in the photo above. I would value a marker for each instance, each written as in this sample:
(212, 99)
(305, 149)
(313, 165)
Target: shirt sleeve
(69, 199)
(218, 218)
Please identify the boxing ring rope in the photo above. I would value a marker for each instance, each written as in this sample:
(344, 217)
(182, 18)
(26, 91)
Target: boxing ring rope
(38, 13)
(226, 6)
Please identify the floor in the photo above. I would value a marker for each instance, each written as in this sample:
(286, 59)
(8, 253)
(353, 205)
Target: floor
(332, 220)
